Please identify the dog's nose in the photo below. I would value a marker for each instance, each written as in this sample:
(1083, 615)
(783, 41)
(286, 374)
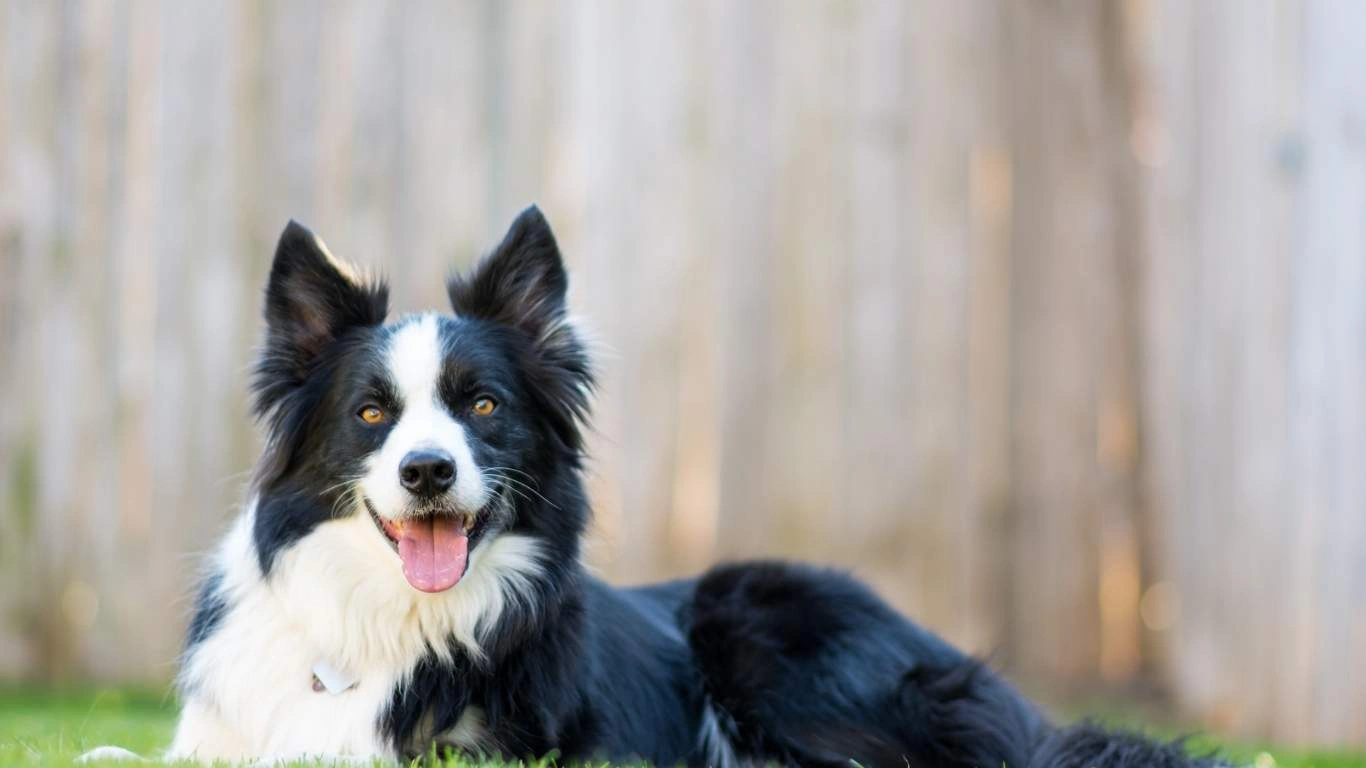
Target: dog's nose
(427, 473)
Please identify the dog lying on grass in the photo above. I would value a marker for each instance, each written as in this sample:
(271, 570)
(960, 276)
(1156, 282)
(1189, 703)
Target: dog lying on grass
(406, 573)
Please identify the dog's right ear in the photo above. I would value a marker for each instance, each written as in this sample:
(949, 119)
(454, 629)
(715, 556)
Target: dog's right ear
(311, 299)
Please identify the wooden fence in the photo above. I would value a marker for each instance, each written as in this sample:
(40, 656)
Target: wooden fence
(1048, 318)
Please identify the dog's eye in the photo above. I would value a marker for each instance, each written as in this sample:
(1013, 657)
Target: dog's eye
(371, 414)
(484, 406)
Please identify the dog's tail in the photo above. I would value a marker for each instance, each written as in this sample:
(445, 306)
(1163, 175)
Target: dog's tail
(1088, 745)
(965, 714)
(967, 711)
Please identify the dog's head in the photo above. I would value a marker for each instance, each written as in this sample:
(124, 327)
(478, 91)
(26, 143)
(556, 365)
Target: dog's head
(446, 430)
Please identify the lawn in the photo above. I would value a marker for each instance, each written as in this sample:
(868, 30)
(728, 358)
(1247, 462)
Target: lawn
(52, 729)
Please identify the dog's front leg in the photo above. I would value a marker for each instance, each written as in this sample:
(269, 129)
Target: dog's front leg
(202, 735)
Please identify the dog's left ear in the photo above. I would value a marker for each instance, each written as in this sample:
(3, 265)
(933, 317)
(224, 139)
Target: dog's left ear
(522, 283)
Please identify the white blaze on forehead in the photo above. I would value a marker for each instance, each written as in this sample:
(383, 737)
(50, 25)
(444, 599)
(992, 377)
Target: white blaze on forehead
(415, 358)
(415, 361)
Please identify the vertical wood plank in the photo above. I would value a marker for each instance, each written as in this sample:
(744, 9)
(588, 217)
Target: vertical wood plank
(742, 84)
(1061, 232)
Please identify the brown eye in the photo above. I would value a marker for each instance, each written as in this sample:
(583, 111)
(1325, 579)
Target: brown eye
(371, 414)
(484, 406)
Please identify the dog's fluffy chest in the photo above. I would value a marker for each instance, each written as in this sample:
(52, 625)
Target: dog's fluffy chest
(332, 599)
(250, 694)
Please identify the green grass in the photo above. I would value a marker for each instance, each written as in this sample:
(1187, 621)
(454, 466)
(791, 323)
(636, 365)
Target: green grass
(1271, 757)
(53, 728)
(46, 728)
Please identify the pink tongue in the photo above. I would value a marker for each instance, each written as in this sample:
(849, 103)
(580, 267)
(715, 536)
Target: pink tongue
(433, 551)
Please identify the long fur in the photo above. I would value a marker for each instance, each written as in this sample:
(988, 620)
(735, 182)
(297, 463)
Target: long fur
(528, 654)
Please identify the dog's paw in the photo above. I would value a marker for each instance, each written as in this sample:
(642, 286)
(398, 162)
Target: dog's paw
(110, 753)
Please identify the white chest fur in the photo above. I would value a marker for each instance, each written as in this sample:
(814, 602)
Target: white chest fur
(336, 596)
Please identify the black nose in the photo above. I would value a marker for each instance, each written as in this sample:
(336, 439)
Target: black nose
(427, 472)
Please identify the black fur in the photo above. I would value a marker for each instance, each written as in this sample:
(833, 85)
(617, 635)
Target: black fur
(758, 662)
(813, 669)
(311, 302)
(210, 607)
(522, 286)
(1086, 745)
(323, 333)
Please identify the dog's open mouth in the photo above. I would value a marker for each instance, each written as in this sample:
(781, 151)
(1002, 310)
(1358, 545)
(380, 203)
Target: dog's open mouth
(434, 546)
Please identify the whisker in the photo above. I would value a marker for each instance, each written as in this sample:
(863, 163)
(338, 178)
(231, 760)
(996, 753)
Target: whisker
(522, 490)
(500, 474)
(350, 496)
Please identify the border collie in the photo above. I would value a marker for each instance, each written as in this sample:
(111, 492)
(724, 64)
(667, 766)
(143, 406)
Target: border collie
(406, 574)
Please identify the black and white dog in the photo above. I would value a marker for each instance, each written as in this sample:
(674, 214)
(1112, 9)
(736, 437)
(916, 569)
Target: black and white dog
(406, 574)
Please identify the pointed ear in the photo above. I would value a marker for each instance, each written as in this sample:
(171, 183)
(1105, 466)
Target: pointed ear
(311, 299)
(521, 284)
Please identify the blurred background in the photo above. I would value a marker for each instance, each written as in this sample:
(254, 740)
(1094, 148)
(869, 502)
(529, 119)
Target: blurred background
(1047, 318)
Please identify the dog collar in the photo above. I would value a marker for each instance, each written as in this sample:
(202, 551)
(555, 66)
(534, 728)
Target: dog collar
(328, 678)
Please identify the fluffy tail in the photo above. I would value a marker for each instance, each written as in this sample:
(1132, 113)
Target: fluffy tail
(966, 716)
(1087, 745)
